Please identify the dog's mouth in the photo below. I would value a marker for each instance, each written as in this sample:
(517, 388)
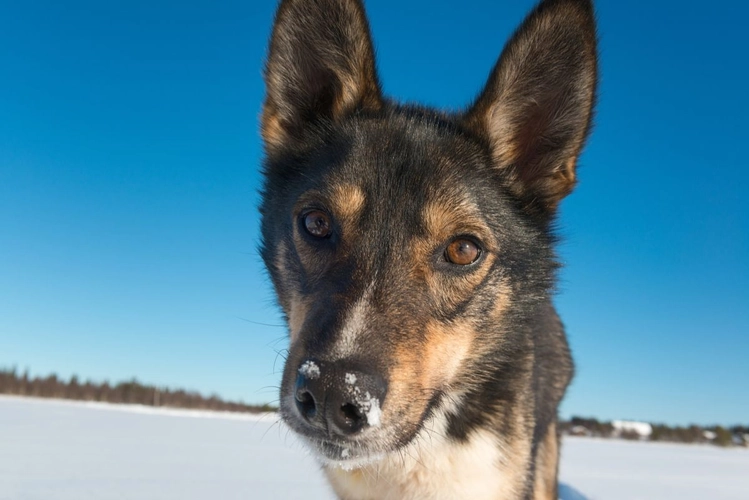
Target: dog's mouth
(347, 456)
(350, 455)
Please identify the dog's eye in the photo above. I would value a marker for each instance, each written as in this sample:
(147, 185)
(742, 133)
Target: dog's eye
(317, 223)
(462, 252)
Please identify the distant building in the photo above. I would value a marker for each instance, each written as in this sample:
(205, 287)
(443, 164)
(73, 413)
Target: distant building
(642, 429)
(579, 430)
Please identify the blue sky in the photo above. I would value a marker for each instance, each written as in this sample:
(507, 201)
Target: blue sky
(129, 156)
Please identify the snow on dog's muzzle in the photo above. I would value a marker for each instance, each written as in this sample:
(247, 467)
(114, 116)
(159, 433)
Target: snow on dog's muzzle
(338, 399)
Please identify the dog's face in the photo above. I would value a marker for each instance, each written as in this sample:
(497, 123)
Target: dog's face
(404, 244)
(395, 257)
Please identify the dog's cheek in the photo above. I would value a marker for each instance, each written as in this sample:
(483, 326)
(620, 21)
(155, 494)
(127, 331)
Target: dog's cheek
(294, 305)
(426, 366)
(447, 347)
(447, 292)
(407, 396)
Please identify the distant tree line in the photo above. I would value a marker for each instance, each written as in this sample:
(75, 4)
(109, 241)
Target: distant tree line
(129, 392)
(738, 435)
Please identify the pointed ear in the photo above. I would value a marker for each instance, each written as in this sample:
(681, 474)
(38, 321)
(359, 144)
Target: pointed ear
(320, 66)
(536, 108)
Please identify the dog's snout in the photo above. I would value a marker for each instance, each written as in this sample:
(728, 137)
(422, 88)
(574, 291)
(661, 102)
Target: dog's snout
(339, 399)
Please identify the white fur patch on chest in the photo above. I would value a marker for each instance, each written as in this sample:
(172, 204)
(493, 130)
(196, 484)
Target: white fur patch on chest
(433, 468)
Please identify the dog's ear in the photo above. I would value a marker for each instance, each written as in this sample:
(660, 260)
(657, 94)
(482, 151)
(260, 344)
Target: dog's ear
(320, 66)
(536, 108)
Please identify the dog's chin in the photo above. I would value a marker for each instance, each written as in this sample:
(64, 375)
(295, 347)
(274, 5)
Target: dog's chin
(346, 457)
(349, 455)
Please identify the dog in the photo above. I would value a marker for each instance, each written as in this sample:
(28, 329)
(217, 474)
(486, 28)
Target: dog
(411, 251)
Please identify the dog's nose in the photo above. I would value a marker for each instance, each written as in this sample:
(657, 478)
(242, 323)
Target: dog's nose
(340, 400)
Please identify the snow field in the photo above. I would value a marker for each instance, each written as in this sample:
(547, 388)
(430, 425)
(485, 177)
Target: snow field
(63, 450)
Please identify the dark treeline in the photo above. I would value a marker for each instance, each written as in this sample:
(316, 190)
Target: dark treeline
(130, 392)
(738, 435)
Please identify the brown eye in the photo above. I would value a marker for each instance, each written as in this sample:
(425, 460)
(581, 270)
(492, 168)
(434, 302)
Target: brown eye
(462, 252)
(317, 223)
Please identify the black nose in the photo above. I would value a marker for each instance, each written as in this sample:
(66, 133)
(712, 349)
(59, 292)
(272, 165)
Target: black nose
(337, 398)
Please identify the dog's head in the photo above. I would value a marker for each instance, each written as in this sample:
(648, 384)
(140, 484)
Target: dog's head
(405, 245)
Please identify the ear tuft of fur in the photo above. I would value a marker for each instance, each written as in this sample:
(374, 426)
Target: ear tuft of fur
(320, 66)
(537, 107)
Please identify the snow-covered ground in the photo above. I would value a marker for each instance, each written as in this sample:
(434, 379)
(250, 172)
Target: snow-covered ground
(59, 450)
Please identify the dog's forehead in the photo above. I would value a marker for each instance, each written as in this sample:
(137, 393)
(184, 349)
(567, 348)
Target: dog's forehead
(402, 166)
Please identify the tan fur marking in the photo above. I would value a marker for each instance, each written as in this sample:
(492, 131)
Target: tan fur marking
(450, 291)
(433, 364)
(503, 300)
(406, 394)
(347, 202)
(445, 349)
(547, 460)
(449, 215)
(271, 130)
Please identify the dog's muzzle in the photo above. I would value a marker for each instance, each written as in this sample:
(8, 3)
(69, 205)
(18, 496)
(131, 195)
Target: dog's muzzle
(338, 399)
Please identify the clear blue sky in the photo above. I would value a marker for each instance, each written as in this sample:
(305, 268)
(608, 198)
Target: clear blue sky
(129, 155)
